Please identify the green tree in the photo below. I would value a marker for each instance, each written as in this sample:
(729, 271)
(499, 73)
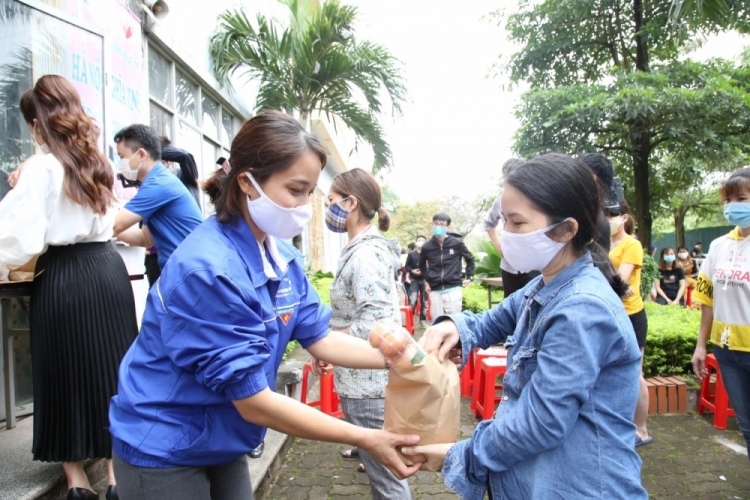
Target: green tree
(605, 77)
(314, 64)
(724, 12)
(412, 219)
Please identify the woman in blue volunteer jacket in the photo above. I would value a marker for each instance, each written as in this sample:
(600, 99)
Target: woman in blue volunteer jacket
(564, 427)
(195, 391)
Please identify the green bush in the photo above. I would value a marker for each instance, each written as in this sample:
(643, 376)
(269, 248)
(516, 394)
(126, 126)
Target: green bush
(672, 333)
(322, 284)
(489, 265)
(475, 297)
(649, 274)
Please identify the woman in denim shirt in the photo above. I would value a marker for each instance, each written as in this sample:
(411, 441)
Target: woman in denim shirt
(564, 428)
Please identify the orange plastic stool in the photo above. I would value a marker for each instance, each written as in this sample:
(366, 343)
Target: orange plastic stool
(329, 401)
(467, 374)
(479, 356)
(407, 318)
(484, 394)
(716, 401)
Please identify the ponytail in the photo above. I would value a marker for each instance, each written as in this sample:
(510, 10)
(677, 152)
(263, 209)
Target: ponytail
(384, 219)
(600, 256)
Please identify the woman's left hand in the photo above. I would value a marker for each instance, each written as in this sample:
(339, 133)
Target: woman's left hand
(433, 453)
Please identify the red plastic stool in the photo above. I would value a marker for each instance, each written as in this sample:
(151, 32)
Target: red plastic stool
(467, 375)
(329, 401)
(479, 356)
(689, 297)
(484, 395)
(407, 318)
(717, 400)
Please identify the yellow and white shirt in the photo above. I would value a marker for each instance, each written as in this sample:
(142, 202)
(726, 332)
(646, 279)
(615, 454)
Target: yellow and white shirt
(724, 284)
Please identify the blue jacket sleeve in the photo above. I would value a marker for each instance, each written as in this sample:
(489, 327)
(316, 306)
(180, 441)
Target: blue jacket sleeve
(568, 365)
(488, 327)
(212, 329)
(314, 316)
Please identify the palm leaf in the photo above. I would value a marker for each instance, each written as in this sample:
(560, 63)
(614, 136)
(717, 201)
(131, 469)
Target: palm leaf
(314, 64)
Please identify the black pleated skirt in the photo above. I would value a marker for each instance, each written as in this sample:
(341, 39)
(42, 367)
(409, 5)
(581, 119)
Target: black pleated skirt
(82, 321)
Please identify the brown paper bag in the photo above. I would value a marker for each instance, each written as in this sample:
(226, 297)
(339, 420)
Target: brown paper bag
(24, 272)
(424, 399)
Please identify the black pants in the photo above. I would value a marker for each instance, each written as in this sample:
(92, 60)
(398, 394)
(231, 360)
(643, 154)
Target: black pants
(417, 293)
(513, 282)
(152, 268)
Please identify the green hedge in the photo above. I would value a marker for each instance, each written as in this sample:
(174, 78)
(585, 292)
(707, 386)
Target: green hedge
(475, 297)
(672, 333)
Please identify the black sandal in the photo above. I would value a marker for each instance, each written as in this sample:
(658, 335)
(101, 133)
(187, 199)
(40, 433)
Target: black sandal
(352, 453)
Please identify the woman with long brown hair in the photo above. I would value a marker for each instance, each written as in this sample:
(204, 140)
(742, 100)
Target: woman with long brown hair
(82, 308)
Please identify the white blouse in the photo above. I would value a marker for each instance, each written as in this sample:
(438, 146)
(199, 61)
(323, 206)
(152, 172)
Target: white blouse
(38, 213)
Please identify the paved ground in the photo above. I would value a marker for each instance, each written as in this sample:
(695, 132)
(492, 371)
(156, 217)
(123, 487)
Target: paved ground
(685, 461)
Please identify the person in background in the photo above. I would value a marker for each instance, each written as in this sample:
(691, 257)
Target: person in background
(196, 389)
(513, 279)
(417, 291)
(181, 163)
(163, 204)
(363, 293)
(724, 294)
(604, 173)
(440, 264)
(671, 286)
(82, 314)
(697, 252)
(626, 254)
(564, 427)
(688, 265)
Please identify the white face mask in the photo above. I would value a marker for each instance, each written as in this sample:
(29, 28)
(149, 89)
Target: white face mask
(126, 171)
(615, 225)
(419, 244)
(274, 220)
(682, 255)
(532, 251)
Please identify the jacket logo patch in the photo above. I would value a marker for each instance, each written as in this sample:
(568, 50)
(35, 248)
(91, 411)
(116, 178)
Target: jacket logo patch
(285, 317)
(451, 252)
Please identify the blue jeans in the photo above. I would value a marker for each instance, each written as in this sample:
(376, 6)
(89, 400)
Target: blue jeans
(735, 372)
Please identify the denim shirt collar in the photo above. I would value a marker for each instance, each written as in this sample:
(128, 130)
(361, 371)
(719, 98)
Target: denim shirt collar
(543, 294)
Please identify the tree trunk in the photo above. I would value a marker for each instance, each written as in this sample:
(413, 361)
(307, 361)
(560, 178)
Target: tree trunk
(641, 141)
(641, 51)
(679, 225)
(641, 144)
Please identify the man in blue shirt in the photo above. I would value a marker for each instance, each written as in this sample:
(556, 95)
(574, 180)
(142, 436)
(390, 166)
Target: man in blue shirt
(167, 209)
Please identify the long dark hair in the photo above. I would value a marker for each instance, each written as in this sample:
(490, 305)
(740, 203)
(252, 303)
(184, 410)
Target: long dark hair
(70, 135)
(563, 188)
(363, 186)
(267, 143)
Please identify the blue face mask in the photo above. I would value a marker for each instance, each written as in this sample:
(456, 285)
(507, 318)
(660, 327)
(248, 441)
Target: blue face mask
(738, 213)
(439, 231)
(669, 258)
